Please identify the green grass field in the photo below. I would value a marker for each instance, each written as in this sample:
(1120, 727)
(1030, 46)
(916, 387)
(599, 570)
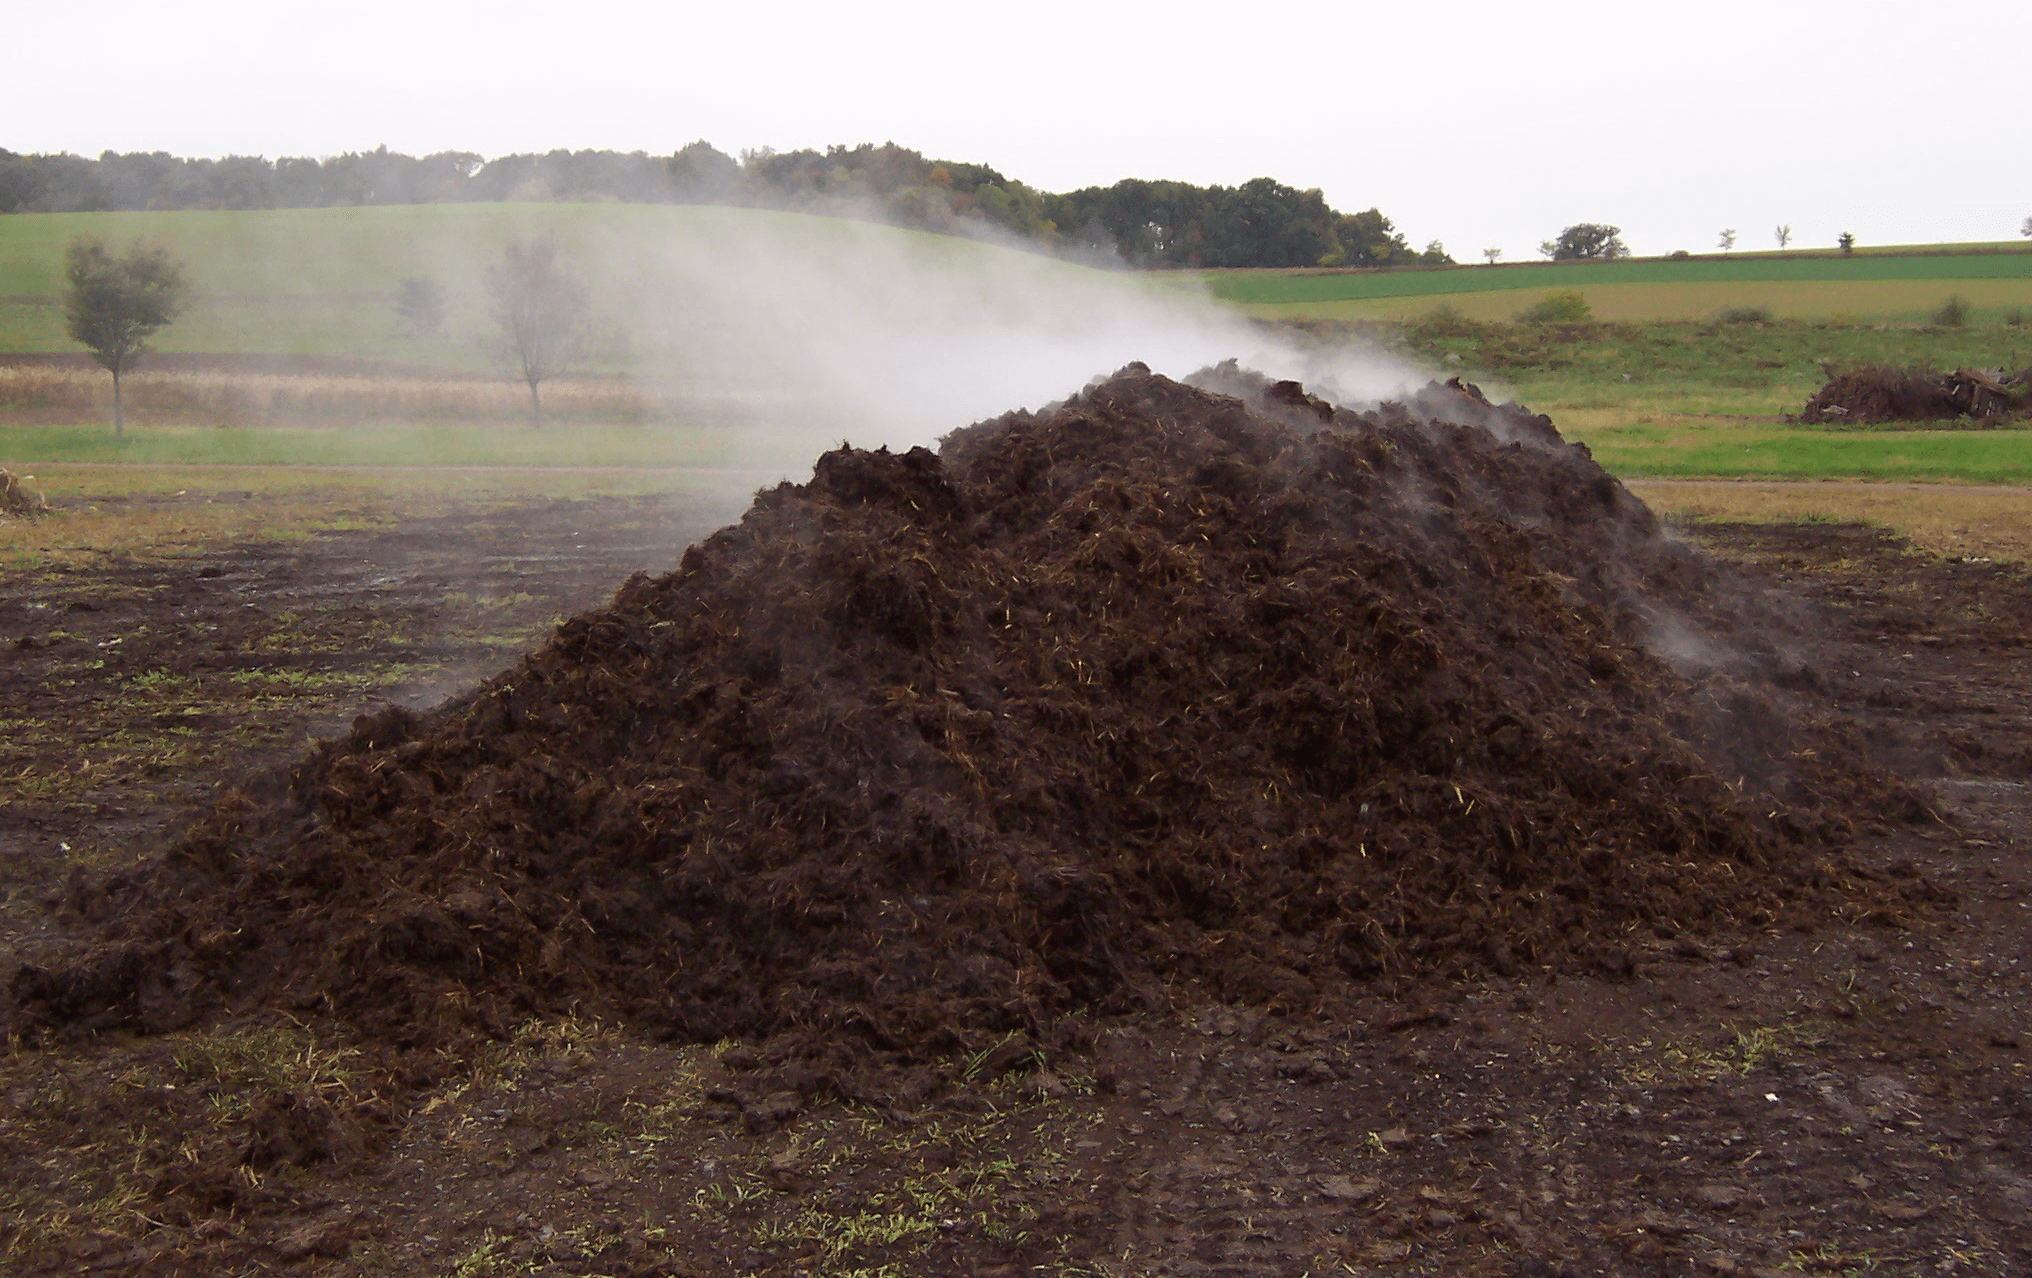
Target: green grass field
(406, 444)
(1687, 399)
(602, 456)
(323, 281)
(1661, 397)
(1680, 447)
(1888, 284)
(1743, 370)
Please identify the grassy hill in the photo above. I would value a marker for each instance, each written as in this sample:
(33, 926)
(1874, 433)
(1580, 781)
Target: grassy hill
(1886, 284)
(323, 281)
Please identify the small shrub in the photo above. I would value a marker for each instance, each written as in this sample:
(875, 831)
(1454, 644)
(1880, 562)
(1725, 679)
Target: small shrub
(1560, 306)
(1953, 313)
(2016, 317)
(1680, 255)
(1445, 320)
(1745, 315)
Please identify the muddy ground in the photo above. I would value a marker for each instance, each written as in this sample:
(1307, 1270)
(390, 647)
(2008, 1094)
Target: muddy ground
(1853, 1098)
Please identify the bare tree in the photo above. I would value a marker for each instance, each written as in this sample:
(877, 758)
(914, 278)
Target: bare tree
(541, 308)
(1728, 240)
(1493, 254)
(113, 305)
(1783, 234)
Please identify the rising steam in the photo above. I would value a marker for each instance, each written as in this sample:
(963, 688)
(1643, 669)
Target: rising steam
(879, 337)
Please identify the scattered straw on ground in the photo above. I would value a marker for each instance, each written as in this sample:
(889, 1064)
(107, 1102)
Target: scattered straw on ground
(1944, 519)
(249, 398)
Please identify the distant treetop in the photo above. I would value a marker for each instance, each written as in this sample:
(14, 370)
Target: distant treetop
(1586, 241)
(1260, 223)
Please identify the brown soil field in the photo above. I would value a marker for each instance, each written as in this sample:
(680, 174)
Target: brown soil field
(1835, 1084)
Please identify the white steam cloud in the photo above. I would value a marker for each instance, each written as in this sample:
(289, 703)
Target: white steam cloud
(859, 332)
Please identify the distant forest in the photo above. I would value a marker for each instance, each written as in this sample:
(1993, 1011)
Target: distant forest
(1143, 224)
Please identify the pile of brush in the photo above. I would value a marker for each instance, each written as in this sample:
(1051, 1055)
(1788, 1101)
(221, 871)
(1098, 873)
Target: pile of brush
(1873, 393)
(17, 500)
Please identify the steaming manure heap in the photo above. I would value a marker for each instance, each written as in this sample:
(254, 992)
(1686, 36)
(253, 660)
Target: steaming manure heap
(1163, 693)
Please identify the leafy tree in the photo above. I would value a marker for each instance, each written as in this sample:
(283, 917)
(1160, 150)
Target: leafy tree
(1783, 234)
(1366, 239)
(1586, 241)
(1159, 224)
(113, 305)
(420, 301)
(2026, 229)
(1847, 242)
(1493, 254)
(1145, 223)
(701, 174)
(1727, 243)
(542, 310)
(1266, 223)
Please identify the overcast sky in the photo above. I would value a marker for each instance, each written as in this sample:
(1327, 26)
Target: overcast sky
(1478, 124)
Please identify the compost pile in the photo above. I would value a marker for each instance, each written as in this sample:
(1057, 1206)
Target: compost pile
(1160, 694)
(1871, 394)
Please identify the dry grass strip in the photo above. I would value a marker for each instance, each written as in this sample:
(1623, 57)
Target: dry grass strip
(1950, 520)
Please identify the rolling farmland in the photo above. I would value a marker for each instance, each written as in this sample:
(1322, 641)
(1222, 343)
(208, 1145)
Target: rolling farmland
(1885, 285)
(1664, 394)
(323, 281)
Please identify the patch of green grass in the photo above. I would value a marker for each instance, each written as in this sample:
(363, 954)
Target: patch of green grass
(1744, 1052)
(2005, 260)
(1778, 452)
(158, 682)
(488, 1258)
(396, 444)
(1674, 369)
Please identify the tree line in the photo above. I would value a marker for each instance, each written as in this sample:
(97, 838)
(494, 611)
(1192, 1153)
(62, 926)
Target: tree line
(1144, 224)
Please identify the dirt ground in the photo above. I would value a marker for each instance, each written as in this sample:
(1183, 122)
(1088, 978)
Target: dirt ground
(1843, 1099)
